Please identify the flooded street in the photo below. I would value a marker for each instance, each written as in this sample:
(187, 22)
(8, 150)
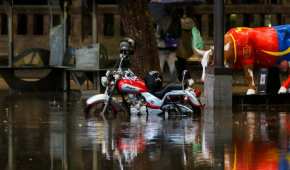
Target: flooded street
(50, 132)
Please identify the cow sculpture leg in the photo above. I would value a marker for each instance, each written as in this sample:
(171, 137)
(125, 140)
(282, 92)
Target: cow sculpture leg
(284, 67)
(285, 86)
(249, 76)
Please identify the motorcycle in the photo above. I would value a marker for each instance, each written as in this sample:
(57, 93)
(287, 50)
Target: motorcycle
(142, 96)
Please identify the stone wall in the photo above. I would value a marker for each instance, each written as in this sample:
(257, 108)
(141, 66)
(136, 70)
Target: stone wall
(82, 24)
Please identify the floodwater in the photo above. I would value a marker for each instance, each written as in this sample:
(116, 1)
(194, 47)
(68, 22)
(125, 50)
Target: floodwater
(49, 132)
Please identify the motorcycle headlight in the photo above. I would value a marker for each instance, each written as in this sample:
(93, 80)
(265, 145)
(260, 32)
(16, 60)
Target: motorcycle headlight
(104, 81)
(116, 76)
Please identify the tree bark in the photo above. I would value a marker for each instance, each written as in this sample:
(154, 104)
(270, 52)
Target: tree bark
(137, 24)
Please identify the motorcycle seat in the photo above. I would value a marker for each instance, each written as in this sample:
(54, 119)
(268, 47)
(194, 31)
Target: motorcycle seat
(160, 94)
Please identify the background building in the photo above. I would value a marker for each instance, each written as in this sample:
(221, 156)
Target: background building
(34, 18)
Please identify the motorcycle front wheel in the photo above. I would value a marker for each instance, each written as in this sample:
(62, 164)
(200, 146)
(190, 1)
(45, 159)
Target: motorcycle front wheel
(114, 110)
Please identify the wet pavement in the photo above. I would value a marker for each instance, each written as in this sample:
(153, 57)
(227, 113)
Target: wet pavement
(49, 132)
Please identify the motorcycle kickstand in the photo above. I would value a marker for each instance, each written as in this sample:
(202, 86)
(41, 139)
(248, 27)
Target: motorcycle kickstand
(147, 114)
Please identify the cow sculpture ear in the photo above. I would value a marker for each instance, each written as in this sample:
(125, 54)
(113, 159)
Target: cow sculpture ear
(227, 47)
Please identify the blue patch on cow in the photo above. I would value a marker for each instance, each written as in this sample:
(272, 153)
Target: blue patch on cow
(283, 32)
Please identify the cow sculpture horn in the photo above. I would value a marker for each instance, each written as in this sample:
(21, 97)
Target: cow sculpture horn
(200, 52)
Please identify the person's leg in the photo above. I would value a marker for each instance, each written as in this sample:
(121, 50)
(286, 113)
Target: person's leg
(180, 66)
(162, 57)
(171, 64)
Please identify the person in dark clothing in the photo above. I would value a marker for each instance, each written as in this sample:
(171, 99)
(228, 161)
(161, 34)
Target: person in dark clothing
(190, 38)
(168, 34)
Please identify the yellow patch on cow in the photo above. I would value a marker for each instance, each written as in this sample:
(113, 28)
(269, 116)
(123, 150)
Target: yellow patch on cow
(239, 29)
(235, 48)
(278, 53)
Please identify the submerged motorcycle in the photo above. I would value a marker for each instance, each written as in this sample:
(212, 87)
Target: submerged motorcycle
(123, 87)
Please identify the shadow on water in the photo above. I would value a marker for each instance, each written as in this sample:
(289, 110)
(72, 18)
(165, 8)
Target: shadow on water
(49, 132)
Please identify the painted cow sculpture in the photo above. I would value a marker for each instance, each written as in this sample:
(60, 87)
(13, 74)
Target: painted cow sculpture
(246, 48)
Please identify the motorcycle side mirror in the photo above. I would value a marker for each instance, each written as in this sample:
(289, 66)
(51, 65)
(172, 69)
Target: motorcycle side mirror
(184, 72)
(185, 75)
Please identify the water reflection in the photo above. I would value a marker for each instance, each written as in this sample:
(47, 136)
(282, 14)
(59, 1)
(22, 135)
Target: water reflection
(129, 144)
(264, 142)
(49, 131)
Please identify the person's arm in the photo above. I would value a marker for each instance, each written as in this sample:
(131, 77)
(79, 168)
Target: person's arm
(197, 41)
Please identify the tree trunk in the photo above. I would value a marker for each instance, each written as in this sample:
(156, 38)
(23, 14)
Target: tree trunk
(137, 24)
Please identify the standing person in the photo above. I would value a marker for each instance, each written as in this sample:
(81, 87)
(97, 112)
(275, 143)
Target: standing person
(190, 38)
(168, 35)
